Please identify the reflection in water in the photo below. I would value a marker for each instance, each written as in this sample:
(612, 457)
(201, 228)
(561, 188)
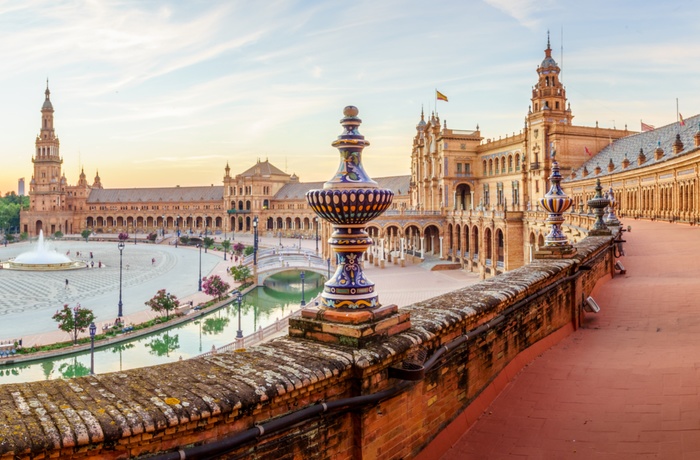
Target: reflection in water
(164, 344)
(261, 307)
(74, 369)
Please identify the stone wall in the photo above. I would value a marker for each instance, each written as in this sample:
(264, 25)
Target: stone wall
(292, 398)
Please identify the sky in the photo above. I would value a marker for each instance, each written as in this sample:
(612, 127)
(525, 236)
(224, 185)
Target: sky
(166, 93)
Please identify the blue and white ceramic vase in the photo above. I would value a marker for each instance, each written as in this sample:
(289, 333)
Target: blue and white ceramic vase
(348, 201)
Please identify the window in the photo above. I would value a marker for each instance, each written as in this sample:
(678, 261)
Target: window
(467, 168)
(459, 168)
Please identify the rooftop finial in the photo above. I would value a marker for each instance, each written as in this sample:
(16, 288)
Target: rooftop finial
(548, 45)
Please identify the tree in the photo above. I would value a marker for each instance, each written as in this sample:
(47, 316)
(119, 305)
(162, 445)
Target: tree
(73, 320)
(241, 273)
(238, 249)
(58, 234)
(24, 236)
(226, 244)
(123, 236)
(215, 286)
(249, 250)
(86, 234)
(208, 242)
(163, 302)
(164, 345)
(184, 239)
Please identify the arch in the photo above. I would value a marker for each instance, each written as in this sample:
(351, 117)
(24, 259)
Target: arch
(288, 223)
(510, 163)
(270, 225)
(500, 248)
(297, 224)
(266, 204)
(488, 247)
(280, 223)
(120, 222)
(247, 205)
(517, 162)
(463, 197)
(490, 167)
(465, 230)
(306, 223)
(38, 227)
(110, 221)
(540, 241)
(432, 239)
(475, 241)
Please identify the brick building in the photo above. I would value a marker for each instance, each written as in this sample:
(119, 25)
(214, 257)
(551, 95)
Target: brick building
(467, 199)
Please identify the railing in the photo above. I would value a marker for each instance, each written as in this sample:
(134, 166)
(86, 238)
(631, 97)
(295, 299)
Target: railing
(262, 334)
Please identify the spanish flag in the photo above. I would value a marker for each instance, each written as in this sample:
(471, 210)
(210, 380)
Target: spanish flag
(439, 96)
(679, 116)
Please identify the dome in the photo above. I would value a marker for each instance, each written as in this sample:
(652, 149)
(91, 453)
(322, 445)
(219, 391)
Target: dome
(548, 62)
(47, 104)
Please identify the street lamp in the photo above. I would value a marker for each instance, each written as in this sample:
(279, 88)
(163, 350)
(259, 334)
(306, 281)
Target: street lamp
(163, 217)
(120, 245)
(303, 301)
(177, 233)
(205, 231)
(200, 265)
(255, 240)
(93, 329)
(239, 334)
(134, 225)
(316, 219)
(280, 234)
(75, 324)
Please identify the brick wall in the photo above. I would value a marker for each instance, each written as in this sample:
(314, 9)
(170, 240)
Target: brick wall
(205, 400)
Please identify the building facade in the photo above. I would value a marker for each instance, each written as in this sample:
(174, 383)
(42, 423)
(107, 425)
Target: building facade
(468, 200)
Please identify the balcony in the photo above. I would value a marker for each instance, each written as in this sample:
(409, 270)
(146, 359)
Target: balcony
(239, 211)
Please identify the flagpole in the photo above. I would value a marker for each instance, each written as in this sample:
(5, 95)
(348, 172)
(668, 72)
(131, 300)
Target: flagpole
(436, 112)
(677, 119)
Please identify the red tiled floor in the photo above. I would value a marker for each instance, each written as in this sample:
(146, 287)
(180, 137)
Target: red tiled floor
(626, 385)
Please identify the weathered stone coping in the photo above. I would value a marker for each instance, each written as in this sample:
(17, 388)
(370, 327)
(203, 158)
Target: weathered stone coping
(107, 409)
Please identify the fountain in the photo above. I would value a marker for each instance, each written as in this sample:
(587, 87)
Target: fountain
(42, 259)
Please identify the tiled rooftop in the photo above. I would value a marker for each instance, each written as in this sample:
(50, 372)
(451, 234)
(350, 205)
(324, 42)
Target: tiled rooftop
(648, 141)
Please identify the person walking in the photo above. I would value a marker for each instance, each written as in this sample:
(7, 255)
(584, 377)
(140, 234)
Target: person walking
(66, 283)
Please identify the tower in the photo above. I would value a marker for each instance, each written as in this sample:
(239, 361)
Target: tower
(549, 108)
(47, 187)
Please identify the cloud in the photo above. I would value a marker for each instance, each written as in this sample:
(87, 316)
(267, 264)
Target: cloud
(528, 13)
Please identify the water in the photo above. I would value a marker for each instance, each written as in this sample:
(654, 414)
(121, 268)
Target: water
(261, 307)
(42, 254)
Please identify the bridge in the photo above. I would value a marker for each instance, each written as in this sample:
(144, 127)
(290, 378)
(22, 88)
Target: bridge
(272, 261)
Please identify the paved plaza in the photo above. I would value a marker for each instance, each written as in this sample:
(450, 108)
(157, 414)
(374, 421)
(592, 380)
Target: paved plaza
(626, 385)
(29, 299)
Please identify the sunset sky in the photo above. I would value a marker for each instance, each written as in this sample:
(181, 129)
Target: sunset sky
(155, 93)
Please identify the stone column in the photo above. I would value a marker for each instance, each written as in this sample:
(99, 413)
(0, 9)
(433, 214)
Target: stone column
(422, 247)
(441, 247)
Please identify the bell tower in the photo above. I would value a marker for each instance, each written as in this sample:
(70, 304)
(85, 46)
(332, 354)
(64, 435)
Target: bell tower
(549, 108)
(47, 187)
(549, 95)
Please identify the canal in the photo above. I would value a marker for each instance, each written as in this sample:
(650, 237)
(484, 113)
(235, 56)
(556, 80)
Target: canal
(261, 307)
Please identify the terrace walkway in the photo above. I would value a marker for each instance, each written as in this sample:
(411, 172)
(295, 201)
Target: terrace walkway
(626, 385)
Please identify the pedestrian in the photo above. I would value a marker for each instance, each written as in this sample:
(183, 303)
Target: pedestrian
(153, 261)
(77, 253)
(66, 283)
(91, 254)
(92, 264)
(99, 264)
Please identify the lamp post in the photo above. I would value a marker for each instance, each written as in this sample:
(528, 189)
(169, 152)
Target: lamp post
(200, 266)
(205, 231)
(134, 225)
(163, 217)
(75, 324)
(280, 235)
(303, 301)
(316, 220)
(120, 245)
(177, 233)
(239, 334)
(93, 329)
(190, 224)
(255, 241)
